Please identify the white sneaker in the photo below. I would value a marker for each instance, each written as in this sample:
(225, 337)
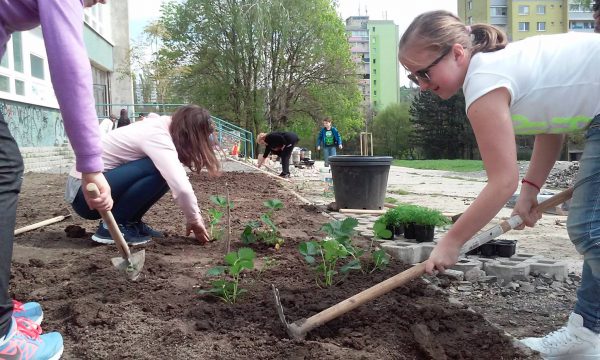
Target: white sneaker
(571, 342)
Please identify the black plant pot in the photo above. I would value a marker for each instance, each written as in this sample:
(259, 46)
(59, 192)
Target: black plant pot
(488, 249)
(398, 230)
(409, 231)
(424, 233)
(474, 251)
(506, 248)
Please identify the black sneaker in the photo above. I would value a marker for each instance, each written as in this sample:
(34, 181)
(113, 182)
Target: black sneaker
(145, 229)
(130, 234)
(285, 176)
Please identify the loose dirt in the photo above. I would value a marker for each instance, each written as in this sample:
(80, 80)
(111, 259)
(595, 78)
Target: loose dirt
(101, 315)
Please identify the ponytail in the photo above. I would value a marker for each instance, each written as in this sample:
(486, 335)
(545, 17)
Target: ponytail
(440, 29)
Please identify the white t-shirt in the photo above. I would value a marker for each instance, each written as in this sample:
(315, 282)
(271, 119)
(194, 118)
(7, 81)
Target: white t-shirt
(553, 81)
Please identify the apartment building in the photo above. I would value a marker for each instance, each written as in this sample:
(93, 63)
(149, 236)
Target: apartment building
(374, 49)
(524, 18)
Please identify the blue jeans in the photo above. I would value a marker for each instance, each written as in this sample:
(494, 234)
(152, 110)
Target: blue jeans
(11, 177)
(135, 187)
(583, 226)
(327, 152)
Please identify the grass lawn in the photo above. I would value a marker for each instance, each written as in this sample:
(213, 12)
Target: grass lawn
(447, 165)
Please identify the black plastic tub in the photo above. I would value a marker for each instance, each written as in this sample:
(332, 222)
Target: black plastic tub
(360, 182)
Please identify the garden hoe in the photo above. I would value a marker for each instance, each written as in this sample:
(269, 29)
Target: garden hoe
(131, 264)
(298, 329)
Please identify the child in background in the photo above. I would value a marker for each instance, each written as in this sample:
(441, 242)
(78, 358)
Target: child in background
(545, 86)
(329, 138)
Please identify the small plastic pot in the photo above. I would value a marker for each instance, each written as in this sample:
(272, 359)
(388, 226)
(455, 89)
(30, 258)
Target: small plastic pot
(398, 230)
(506, 248)
(424, 233)
(488, 249)
(409, 231)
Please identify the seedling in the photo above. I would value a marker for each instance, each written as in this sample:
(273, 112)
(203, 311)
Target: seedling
(268, 232)
(325, 256)
(227, 288)
(215, 215)
(380, 259)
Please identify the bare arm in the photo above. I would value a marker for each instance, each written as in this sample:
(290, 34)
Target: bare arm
(491, 122)
(546, 150)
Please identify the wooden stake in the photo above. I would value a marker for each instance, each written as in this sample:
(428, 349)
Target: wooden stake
(40, 224)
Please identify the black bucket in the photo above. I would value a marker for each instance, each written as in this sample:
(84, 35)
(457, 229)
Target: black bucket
(360, 182)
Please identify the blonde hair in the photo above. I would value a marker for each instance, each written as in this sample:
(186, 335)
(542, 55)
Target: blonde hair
(260, 138)
(439, 30)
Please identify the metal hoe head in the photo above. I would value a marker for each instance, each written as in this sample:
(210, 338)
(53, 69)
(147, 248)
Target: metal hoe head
(132, 266)
(293, 330)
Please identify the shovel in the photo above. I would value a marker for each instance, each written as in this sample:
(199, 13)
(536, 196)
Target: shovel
(131, 264)
(298, 329)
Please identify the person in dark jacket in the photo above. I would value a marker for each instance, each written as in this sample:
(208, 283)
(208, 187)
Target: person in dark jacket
(280, 143)
(123, 119)
(330, 139)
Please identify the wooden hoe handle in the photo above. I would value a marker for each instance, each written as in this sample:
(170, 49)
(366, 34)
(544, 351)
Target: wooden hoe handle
(109, 220)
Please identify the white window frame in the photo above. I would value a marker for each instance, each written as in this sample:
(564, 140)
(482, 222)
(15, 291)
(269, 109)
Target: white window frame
(523, 9)
(495, 8)
(525, 26)
(541, 26)
(542, 8)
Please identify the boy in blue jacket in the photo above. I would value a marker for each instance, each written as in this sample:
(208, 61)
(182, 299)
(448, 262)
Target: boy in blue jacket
(329, 138)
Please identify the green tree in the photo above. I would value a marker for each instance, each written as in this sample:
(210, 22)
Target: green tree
(264, 64)
(392, 131)
(441, 127)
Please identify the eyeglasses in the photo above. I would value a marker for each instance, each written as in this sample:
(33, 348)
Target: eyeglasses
(423, 74)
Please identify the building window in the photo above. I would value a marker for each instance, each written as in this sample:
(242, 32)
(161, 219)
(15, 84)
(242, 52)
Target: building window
(374, 61)
(37, 67)
(498, 11)
(20, 87)
(579, 8)
(18, 52)
(541, 9)
(581, 25)
(374, 82)
(523, 26)
(375, 92)
(523, 9)
(374, 71)
(470, 5)
(4, 83)
(470, 20)
(373, 28)
(4, 61)
(541, 26)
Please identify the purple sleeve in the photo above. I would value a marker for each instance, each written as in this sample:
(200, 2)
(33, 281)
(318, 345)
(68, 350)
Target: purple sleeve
(70, 70)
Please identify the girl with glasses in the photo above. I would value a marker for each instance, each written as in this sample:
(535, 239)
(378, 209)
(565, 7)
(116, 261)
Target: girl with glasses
(545, 86)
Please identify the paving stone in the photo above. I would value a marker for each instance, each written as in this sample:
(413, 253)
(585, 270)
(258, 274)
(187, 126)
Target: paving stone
(508, 271)
(557, 269)
(406, 253)
(465, 265)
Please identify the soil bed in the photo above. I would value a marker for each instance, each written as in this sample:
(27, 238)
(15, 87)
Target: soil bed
(104, 316)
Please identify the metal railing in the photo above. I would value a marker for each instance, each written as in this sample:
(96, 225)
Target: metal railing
(229, 135)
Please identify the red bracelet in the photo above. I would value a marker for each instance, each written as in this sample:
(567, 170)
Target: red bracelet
(525, 181)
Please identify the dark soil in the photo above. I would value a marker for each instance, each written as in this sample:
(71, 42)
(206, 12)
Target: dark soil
(102, 315)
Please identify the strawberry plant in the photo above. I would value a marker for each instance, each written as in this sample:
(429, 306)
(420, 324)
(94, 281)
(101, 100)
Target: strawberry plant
(227, 288)
(265, 230)
(215, 215)
(335, 254)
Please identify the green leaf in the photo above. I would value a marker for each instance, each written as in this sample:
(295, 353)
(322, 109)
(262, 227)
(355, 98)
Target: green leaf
(352, 265)
(273, 204)
(216, 271)
(246, 264)
(248, 236)
(231, 258)
(246, 254)
(348, 225)
(219, 200)
(380, 258)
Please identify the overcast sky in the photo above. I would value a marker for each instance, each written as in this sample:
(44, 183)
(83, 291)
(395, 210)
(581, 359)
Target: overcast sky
(401, 11)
